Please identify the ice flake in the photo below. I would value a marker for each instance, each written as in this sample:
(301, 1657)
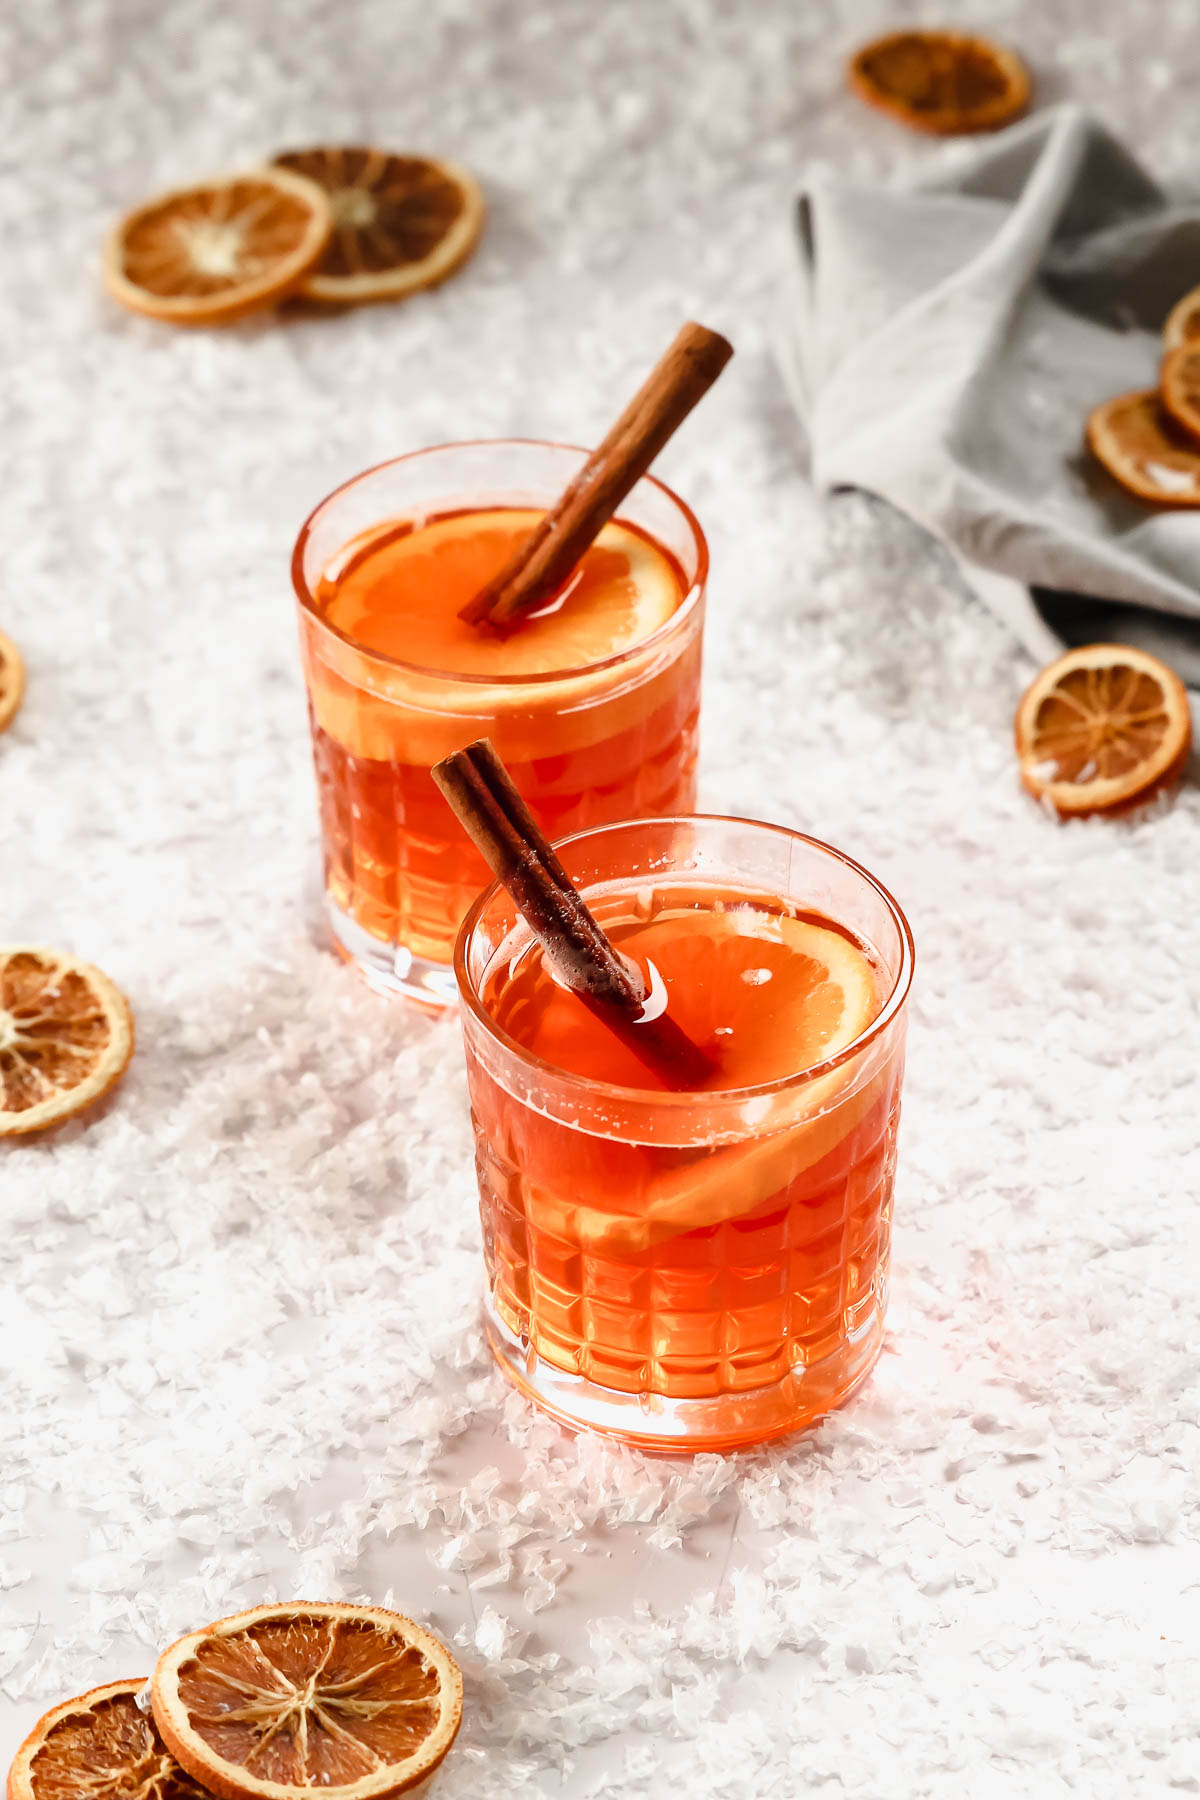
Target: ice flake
(495, 1638)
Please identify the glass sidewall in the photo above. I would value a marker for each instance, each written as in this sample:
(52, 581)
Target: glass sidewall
(645, 849)
(602, 1207)
(376, 719)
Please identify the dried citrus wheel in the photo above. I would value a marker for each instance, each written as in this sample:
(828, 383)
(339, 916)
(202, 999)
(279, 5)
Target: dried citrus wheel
(1180, 385)
(1143, 448)
(400, 222)
(941, 81)
(66, 1036)
(1183, 321)
(351, 1700)
(1104, 726)
(12, 681)
(209, 254)
(101, 1746)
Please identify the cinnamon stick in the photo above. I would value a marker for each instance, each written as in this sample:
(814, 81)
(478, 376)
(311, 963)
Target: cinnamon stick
(544, 561)
(482, 795)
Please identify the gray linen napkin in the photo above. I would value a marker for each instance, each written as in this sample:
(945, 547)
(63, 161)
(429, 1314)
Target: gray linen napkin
(948, 344)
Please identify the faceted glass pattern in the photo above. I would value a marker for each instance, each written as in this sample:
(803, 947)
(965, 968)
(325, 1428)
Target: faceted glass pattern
(691, 1271)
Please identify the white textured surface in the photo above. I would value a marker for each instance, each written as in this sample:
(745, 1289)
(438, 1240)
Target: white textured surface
(239, 1334)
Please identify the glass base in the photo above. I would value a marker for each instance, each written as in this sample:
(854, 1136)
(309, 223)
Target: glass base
(390, 969)
(684, 1427)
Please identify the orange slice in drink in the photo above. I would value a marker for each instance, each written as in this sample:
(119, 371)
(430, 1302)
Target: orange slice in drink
(941, 81)
(1102, 728)
(1183, 321)
(767, 996)
(400, 222)
(1143, 448)
(349, 1701)
(101, 1746)
(66, 1037)
(729, 1184)
(210, 254)
(12, 681)
(1180, 382)
(399, 591)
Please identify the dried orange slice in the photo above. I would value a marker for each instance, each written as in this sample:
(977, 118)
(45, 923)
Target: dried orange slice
(941, 81)
(66, 1036)
(101, 1746)
(209, 254)
(1143, 448)
(1180, 385)
(1104, 726)
(353, 1701)
(12, 681)
(1183, 321)
(400, 222)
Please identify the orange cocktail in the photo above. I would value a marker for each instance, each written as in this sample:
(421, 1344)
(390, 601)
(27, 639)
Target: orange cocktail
(705, 1268)
(593, 701)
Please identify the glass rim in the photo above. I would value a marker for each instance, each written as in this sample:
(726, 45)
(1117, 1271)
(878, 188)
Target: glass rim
(615, 1091)
(541, 677)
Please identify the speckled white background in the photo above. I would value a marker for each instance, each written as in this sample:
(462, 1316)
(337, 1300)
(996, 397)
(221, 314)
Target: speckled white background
(239, 1335)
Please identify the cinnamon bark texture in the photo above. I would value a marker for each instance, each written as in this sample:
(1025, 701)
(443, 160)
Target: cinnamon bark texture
(488, 806)
(545, 560)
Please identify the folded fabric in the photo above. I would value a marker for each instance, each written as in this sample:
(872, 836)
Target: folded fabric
(948, 343)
